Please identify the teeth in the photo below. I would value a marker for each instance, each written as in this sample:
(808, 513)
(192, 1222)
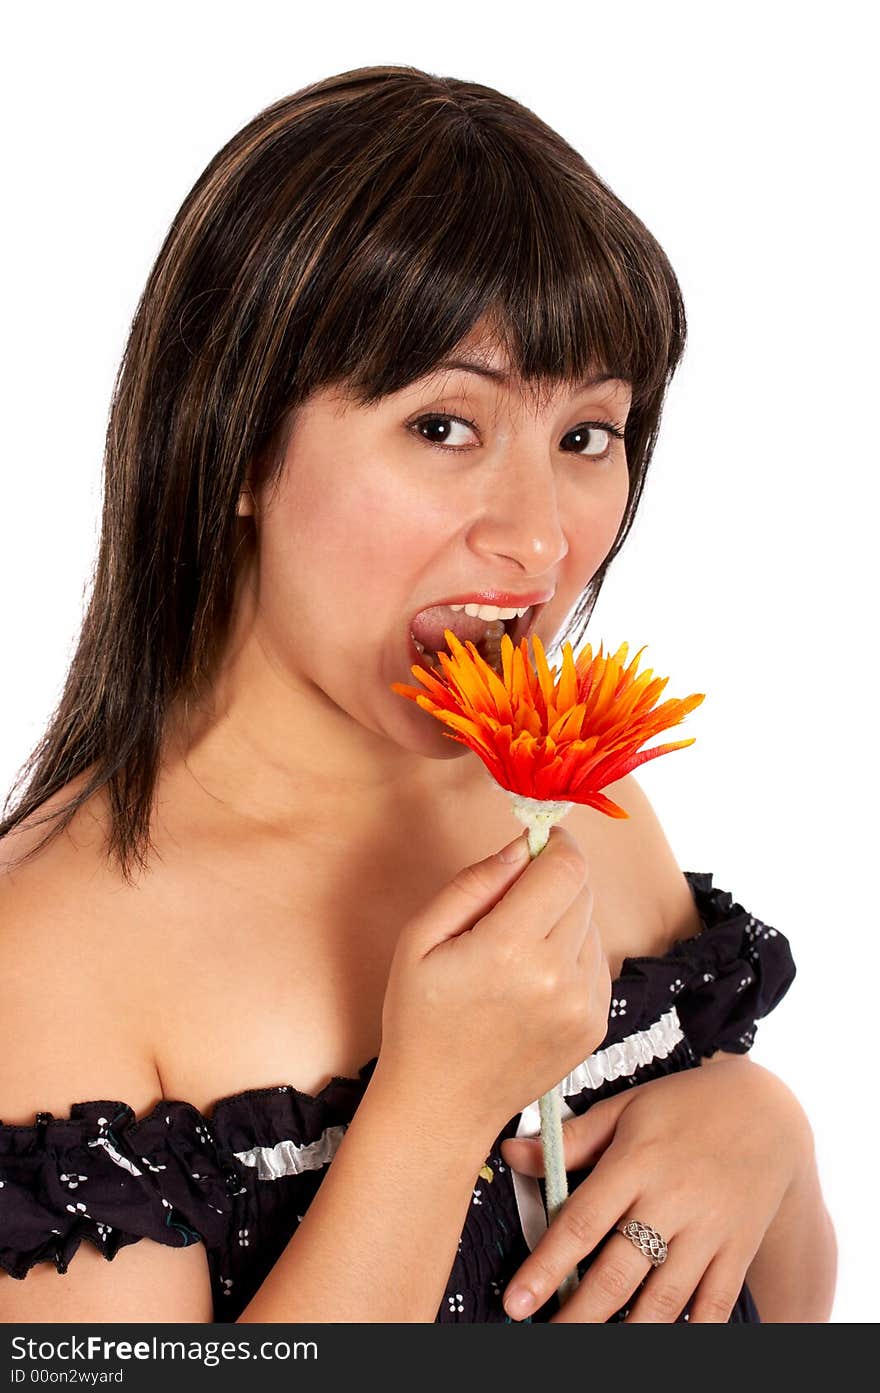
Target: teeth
(491, 611)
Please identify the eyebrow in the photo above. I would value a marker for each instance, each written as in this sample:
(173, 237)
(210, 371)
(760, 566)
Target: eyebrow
(500, 375)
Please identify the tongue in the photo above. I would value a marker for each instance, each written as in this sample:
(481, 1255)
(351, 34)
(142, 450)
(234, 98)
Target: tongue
(429, 624)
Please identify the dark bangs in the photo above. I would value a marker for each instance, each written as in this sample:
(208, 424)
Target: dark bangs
(443, 203)
(462, 219)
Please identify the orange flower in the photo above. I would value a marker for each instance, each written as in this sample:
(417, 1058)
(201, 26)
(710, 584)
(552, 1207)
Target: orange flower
(548, 739)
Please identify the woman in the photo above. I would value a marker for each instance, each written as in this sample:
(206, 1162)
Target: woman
(401, 349)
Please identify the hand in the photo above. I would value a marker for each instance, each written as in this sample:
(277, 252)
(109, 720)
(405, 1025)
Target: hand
(704, 1156)
(499, 986)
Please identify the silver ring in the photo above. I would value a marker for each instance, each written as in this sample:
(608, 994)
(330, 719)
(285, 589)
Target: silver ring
(646, 1239)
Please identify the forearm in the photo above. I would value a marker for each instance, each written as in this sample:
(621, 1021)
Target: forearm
(379, 1239)
(794, 1272)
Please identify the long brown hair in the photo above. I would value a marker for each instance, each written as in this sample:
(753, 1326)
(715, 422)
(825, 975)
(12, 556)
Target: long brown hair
(350, 234)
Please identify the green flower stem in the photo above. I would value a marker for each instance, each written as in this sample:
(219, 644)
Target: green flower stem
(539, 816)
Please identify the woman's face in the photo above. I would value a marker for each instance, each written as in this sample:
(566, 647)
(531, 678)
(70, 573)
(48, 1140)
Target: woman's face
(455, 485)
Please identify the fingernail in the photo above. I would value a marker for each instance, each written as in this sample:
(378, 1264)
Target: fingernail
(518, 1301)
(516, 850)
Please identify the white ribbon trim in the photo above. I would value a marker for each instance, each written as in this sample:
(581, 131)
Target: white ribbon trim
(617, 1061)
(622, 1059)
(286, 1158)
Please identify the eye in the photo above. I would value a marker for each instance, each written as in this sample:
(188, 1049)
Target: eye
(585, 434)
(438, 422)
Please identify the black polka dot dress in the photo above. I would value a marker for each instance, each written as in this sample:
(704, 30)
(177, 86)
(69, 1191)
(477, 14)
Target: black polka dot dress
(240, 1180)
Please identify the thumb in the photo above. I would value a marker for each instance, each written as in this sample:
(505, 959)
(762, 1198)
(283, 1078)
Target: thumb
(472, 893)
(584, 1139)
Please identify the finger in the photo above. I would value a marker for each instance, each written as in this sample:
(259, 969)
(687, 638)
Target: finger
(607, 1285)
(573, 932)
(552, 879)
(719, 1290)
(585, 1218)
(591, 945)
(469, 897)
(668, 1288)
(584, 1139)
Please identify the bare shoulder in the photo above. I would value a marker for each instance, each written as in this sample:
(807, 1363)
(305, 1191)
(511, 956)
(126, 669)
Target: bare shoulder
(72, 1029)
(638, 863)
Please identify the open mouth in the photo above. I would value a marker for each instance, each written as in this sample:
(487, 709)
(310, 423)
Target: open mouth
(488, 645)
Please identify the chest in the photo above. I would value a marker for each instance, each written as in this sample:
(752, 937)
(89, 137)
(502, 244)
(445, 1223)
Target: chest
(274, 970)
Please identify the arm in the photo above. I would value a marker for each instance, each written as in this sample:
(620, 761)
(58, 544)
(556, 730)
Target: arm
(793, 1275)
(379, 1239)
(794, 1272)
(58, 986)
(792, 1267)
(38, 1070)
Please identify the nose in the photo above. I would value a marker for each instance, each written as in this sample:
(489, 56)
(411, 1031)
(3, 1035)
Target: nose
(520, 519)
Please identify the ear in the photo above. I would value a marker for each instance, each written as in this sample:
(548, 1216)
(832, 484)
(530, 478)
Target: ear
(245, 506)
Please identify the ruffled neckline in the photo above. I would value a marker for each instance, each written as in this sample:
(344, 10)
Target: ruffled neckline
(723, 921)
(120, 1114)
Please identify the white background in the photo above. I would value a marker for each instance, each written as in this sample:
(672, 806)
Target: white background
(742, 138)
